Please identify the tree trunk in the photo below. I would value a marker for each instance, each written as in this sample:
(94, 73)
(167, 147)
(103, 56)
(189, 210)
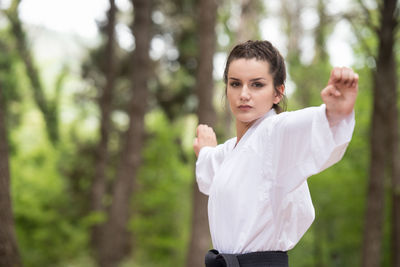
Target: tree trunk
(200, 234)
(320, 33)
(396, 203)
(375, 198)
(98, 188)
(291, 12)
(395, 168)
(9, 256)
(383, 137)
(116, 239)
(249, 20)
(387, 35)
(395, 198)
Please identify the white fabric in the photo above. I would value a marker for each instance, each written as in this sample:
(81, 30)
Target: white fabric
(258, 193)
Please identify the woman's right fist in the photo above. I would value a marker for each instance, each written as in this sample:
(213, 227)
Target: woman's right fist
(205, 136)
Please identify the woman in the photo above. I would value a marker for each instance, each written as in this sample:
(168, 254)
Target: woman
(259, 204)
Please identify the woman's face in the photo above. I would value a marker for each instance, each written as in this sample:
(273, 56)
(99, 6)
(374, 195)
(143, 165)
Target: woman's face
(250, 89)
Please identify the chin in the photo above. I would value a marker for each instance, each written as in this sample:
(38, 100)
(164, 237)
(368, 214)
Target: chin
(246, 119)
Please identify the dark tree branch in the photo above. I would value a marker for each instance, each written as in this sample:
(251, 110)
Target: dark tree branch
(46, 107)
(9, 255)
(358, 35)
(368, 18)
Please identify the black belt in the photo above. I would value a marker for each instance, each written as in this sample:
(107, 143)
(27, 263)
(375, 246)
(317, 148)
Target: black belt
(253, 259)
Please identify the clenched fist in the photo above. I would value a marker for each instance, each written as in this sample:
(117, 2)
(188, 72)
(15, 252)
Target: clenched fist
(205, 136)
(340, 94)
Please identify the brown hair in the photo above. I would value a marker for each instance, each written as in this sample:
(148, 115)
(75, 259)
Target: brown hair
(265, 51)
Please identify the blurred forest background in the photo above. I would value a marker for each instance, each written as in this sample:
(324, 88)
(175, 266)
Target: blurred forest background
(96, 160)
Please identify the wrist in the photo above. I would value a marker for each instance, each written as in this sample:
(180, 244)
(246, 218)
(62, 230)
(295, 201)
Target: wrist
(333, 118)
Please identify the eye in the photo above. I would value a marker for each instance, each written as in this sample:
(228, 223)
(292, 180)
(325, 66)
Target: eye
(234, 84)
(257, 84)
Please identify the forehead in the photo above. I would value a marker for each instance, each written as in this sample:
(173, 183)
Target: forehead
(248, 69)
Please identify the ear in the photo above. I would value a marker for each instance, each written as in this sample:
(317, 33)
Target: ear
(278, 97)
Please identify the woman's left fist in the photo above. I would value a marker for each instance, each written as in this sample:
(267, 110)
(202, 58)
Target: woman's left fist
(340, 94)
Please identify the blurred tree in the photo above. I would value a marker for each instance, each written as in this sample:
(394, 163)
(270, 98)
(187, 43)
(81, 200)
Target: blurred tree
(9, 254)
(99, 184)
(49, 108)
(250, 15)
(388, 65)
(175, 26)
(309, 77)
(51, 224)
(291, 12)
(384, 159)
(384, 140)
(206, 20)
(42, 210)
(116, 241)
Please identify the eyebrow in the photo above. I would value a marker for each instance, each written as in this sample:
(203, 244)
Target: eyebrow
(252, 80)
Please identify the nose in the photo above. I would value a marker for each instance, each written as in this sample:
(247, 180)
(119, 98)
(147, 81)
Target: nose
(245, 93)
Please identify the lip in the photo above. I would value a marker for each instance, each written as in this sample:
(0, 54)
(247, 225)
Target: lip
(245, 107)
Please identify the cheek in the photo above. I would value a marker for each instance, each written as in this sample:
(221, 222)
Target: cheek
(230, 96)
(266, 97)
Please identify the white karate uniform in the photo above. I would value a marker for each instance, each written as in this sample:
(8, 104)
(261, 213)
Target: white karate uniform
(258, 194)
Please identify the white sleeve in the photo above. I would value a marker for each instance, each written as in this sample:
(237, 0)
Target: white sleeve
(304, 144)
(208, 161)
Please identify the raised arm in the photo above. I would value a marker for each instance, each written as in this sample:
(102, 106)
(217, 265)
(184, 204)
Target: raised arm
(307, 141)
(210, 158)
(340, 94)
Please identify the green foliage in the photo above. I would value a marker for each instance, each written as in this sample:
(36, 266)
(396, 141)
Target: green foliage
(47, 231)
(162, 200)
(9, 83)
(309, 79)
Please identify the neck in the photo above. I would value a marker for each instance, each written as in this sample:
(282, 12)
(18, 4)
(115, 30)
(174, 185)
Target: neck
(241, 129)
